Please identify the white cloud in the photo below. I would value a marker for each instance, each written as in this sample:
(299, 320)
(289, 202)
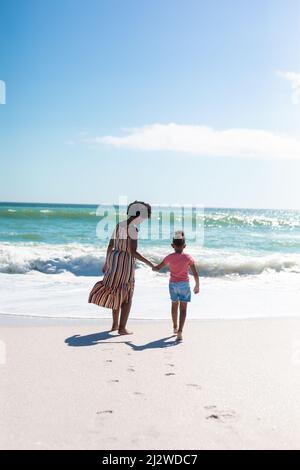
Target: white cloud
(205, 141)
(294, 79)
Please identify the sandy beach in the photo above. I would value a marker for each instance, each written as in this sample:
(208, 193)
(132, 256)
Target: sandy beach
(231, 384)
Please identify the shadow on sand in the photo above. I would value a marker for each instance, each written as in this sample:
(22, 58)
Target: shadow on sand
(92, 339)
(158, 344)
(101, 337)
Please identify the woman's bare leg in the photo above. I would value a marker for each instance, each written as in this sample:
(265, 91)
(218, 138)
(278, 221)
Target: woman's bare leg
(115, 317)
(125, 310)
(174, 310)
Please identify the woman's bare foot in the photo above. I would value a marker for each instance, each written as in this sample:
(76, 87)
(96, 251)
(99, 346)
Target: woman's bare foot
(114, 327)
(175, 330)
(123, 331)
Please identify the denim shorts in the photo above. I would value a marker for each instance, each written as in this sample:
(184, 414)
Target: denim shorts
(180, 291)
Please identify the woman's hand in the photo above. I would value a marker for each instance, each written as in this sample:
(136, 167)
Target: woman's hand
(158, 267)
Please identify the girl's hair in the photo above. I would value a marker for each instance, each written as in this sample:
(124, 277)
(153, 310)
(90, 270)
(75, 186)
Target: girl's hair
(137, 208)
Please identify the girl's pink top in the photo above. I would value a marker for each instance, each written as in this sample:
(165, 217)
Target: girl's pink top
(179, 264)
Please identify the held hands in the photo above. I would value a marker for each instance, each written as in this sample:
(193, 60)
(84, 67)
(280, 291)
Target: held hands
(155, 268)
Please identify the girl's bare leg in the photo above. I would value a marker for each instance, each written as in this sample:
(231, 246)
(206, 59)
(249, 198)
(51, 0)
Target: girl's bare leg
(125, 310)
(183, 307)
(174, 310)
(115, 317)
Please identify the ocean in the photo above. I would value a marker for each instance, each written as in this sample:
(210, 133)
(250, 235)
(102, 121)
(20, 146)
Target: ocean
(51, 255)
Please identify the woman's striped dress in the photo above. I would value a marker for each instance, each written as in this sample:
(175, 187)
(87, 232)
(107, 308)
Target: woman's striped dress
(117, 285)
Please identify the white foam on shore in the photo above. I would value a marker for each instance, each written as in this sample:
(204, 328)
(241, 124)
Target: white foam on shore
(65, 296)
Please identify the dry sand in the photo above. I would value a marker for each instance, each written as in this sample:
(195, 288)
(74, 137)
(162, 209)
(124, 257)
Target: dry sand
(230, 385)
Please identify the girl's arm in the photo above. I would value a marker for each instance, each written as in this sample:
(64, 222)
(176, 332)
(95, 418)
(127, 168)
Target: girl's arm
(136, 255)
(159, 266)
(196, 277)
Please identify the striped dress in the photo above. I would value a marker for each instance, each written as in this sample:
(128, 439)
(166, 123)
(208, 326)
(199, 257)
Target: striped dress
(117, 285)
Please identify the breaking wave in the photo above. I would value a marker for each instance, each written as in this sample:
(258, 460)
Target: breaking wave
(86, 260)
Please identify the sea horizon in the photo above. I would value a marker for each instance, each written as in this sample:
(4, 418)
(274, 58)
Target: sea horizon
(39, 203)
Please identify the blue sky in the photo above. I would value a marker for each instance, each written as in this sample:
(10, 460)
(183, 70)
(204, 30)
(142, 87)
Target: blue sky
(93, 86)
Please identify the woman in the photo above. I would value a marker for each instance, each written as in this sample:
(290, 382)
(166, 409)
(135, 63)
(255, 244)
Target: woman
(115, 290)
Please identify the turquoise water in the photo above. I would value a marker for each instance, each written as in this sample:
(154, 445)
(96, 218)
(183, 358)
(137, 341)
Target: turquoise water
(49, 237)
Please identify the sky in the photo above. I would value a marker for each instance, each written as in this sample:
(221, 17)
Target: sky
(174, 101)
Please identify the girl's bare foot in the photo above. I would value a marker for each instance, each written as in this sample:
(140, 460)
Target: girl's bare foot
(179, 336)
(175, 330)
(114, 327)
(123, 331)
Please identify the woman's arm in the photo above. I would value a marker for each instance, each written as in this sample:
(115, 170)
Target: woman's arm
(136, 255)
(109, 249)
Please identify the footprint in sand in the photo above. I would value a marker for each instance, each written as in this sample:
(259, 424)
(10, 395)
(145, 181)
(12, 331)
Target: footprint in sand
(114, 380)
(196, 386)
(140, 394)
(108, 360)
(213, 416)
(103, 412)
(170, 365)
(220, 415)
(170, 373)
(131, 369)
(101, 417)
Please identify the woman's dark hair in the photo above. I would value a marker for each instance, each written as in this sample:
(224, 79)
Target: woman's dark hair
(137, 208)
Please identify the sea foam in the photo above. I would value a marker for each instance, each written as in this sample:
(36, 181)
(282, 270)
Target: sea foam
(85, 260)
